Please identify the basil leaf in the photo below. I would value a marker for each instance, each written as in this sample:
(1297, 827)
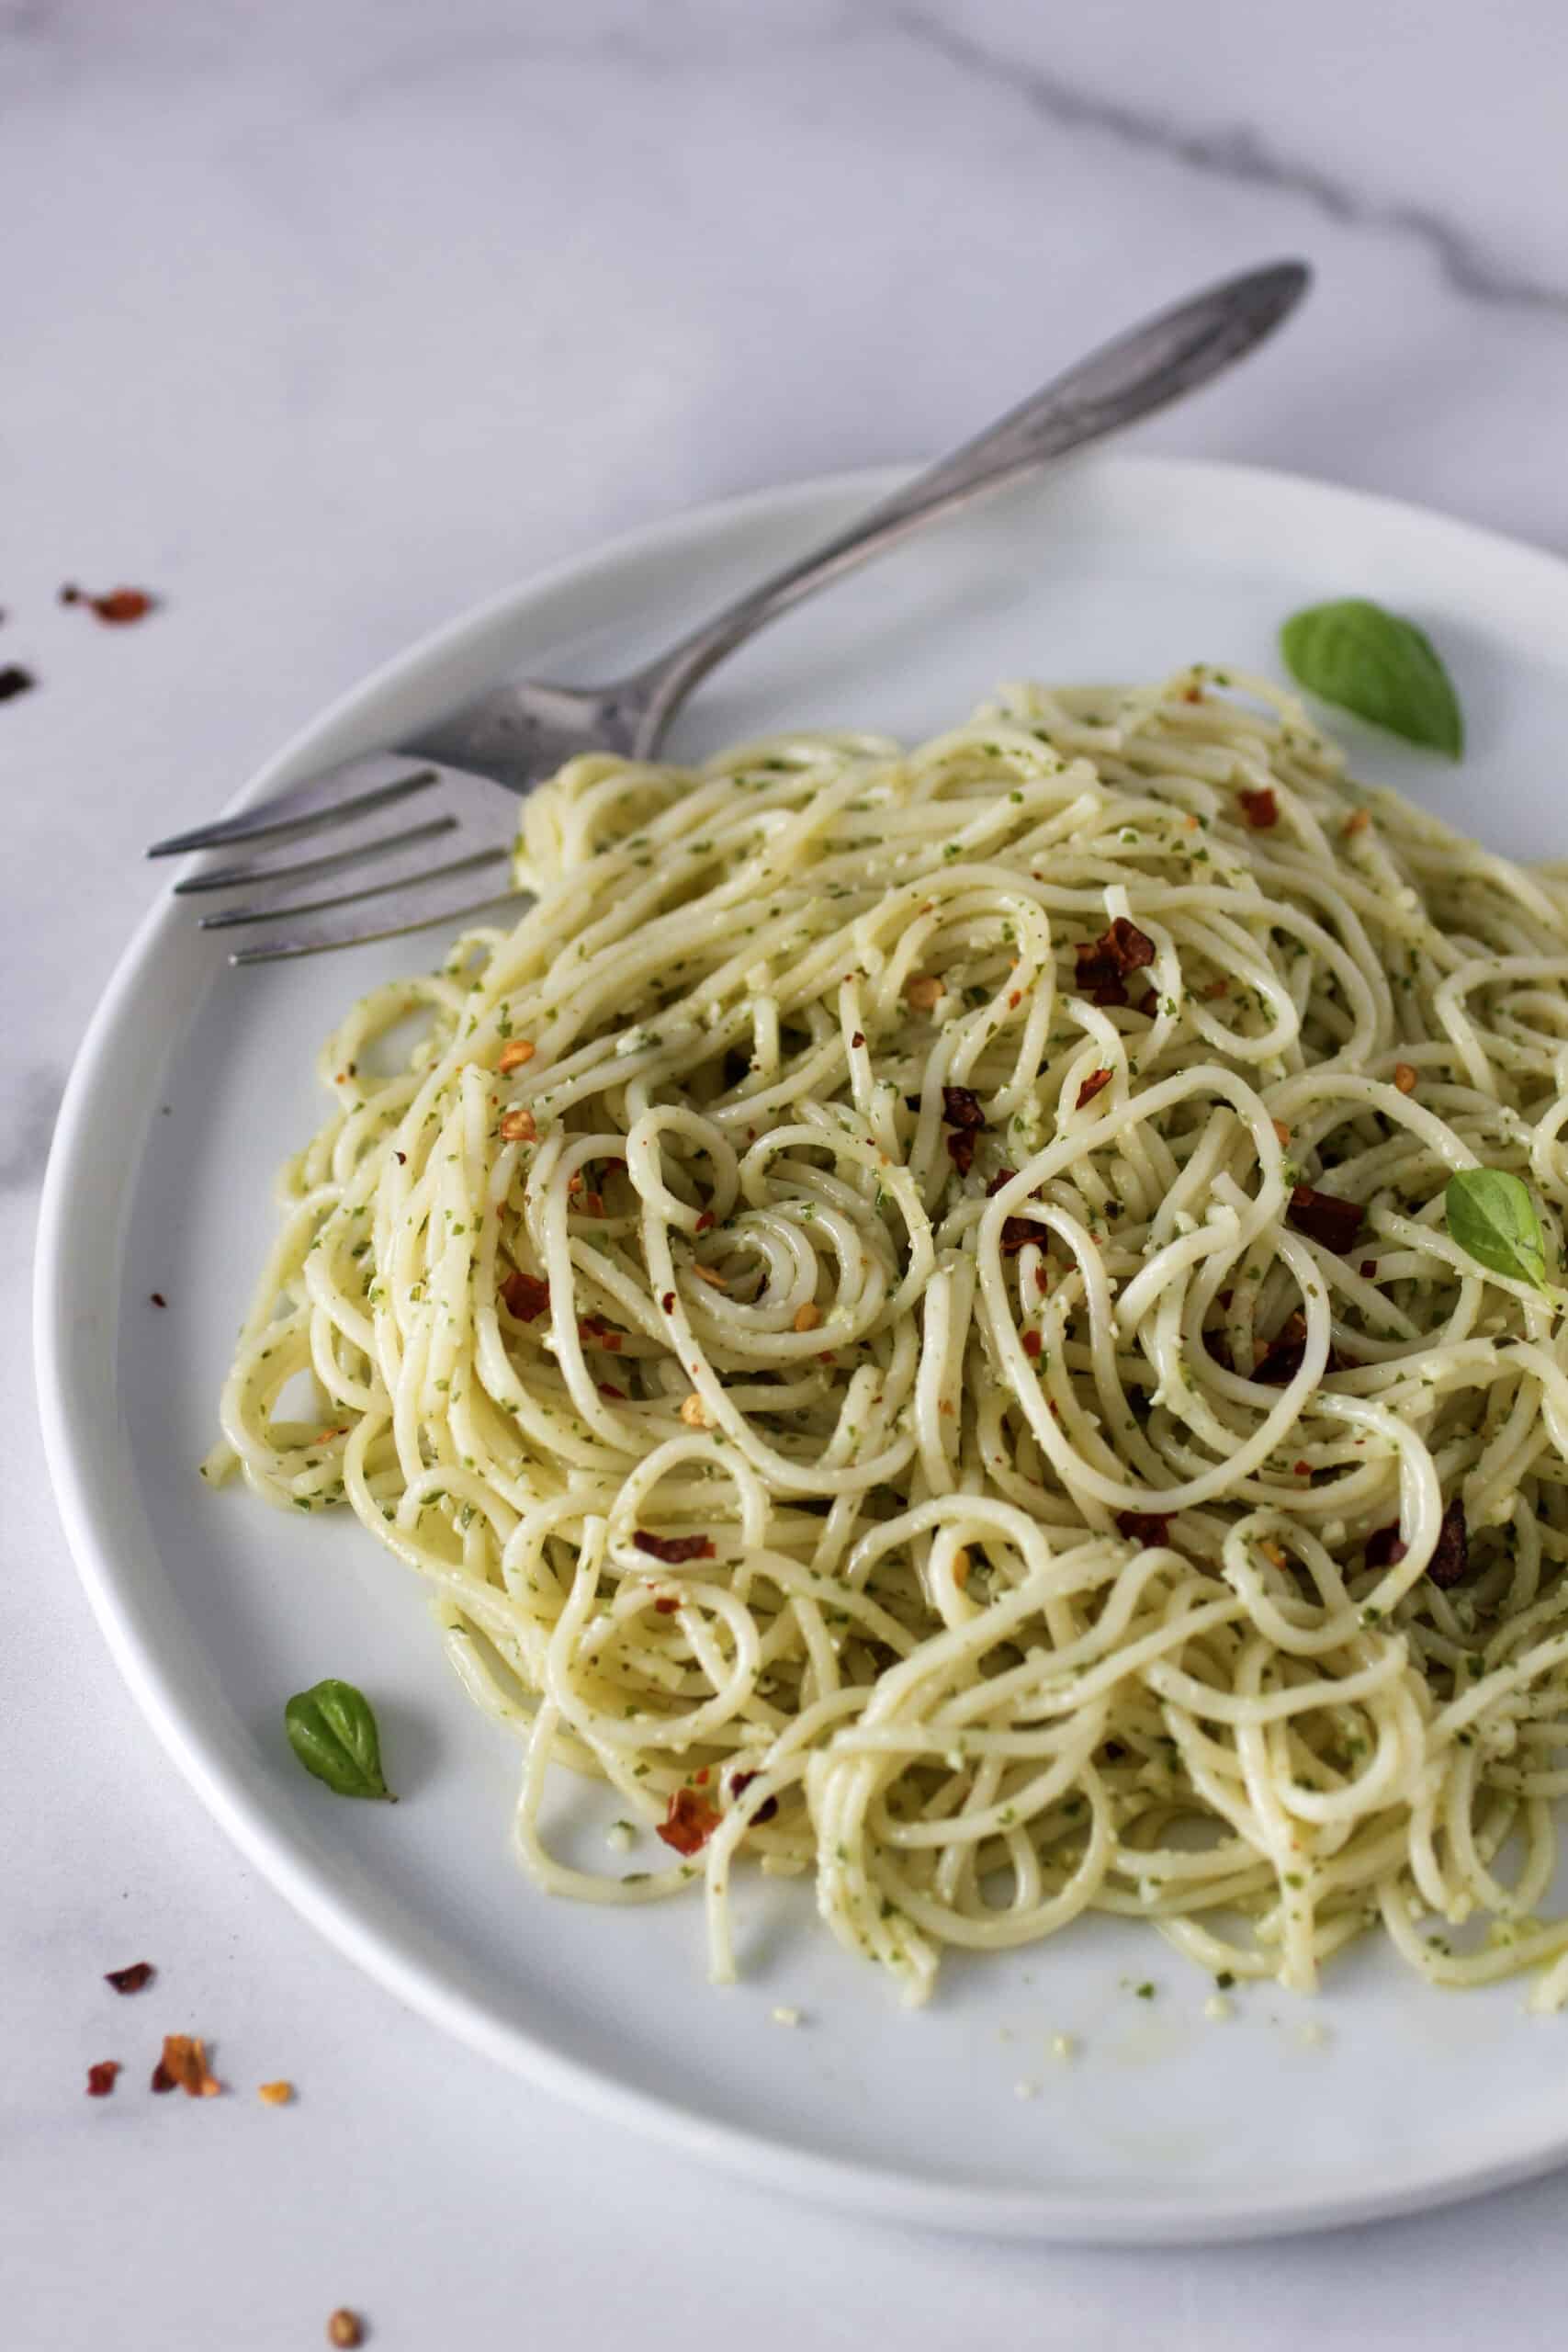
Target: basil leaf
(333, 1732)
(1353, 653)
(1492, 1216)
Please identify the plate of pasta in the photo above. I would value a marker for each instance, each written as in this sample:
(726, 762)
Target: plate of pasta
(918, 1408)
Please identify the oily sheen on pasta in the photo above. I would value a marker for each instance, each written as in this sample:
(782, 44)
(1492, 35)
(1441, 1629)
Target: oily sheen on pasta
(906, 1318)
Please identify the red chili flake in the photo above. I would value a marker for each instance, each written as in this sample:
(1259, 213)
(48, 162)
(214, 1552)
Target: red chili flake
(690, 1822)
(1285, 1353)
(858, 1038)
(1260, 808)
(401, 1158)
(593, 1327)
(1147, 1004)
(1109, 992)
(100, 2078)
(1003, 1176)
(668, 1302)
(1367, 1268)
(157, 1299)
(132, 1979)
(1325, 1218)
(674, 1549)
(1121, 949)
(1144, 1526)
(15, 681)
(1031, 1344)
(666, 1605)
(1384, 1548)
(120, 604)
(605, 1389)
(1042, 1276)
(184, 2065)
(1016, 1231)
(706, 1218)
(1091, 1085)
(1450, 1563)
(1015, 998)
(961, 1151)
(1302, 1469)
(737, 1788)
(525, 1295)
(961, 1108)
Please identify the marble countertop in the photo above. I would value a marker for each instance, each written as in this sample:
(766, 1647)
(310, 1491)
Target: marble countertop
(325, 319)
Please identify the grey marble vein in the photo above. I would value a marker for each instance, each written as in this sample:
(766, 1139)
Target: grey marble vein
(1237, 153)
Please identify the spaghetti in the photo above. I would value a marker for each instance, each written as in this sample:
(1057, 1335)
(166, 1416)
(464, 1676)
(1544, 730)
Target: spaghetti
(904, 1315)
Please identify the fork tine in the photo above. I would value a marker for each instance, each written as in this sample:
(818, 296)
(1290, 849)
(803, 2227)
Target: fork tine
(330, 798)
(230, 918)
(233, 877)
(408, 911)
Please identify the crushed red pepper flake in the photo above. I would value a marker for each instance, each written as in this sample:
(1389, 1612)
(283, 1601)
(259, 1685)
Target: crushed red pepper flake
(737, 1788)
(1031, 1344)
(1016, 1231)
(707, 1219)
(1121, 949)
(157, 1299)
(593, 1327)
(1003, 1176)
(961, 1108)
(858, 1038)
(1367, 1268)
(674, 1549)
(690, 1822)
(1092, 1085)
(100, 2078)
(961, 1149)
(132, 1979)
(608, 1388)
(525, 1295)
(183, 2066)
(668, 1302)
(1285, 1353)
(1385, 1547)
(13, 681)
(117, 605)
(1449, 1563)
(667, 1604)
(1326, 1219)
(1260, 808)
(1144, 1526)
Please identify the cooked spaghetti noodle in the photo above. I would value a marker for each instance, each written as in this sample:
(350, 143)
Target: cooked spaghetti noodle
(905, 1315)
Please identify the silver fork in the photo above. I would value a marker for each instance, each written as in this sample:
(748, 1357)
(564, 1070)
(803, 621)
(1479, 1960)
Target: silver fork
(460, 780)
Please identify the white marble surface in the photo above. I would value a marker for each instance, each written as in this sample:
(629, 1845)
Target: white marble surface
(324, 319)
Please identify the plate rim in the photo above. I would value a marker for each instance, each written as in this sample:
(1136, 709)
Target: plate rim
(282, 1859)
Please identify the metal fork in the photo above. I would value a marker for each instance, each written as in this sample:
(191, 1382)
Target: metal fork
(459, 781)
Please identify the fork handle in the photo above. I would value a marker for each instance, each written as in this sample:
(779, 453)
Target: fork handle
(1140, 371)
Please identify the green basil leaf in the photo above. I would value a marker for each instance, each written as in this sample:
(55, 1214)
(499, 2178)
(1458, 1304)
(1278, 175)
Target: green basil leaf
(333, 1732)
(1353, 653)
(1491, 1217)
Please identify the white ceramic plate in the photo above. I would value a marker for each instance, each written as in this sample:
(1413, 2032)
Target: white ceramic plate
(194, 1081)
